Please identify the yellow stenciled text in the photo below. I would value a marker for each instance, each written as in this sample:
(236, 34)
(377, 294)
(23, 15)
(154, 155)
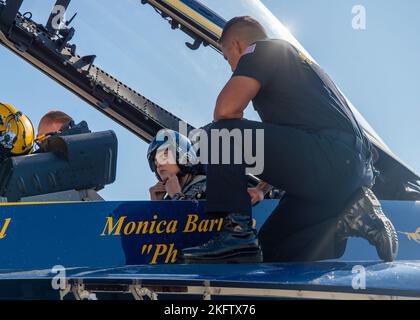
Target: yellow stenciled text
(120, 227)
(206, 225)
(4, 228)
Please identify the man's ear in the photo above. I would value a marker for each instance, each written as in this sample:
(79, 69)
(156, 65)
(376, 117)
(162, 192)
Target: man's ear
(244, 46)
(238, 47)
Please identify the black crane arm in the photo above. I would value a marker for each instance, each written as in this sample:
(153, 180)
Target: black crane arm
(52, 53)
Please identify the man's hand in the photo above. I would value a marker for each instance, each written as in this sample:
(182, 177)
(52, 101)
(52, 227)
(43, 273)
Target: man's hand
(235, 97)
(157, 192)
(256, 194)
(172, 186)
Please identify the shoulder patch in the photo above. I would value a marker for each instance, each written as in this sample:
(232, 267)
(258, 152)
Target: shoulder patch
(250, 49)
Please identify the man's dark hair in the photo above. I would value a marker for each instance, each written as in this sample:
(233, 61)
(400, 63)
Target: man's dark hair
(250, 28)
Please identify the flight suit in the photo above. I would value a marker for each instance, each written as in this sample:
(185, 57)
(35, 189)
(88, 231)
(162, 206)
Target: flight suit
(195, 189)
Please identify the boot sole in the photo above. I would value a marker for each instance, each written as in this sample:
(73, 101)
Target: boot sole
(377, 215)
(244, 257)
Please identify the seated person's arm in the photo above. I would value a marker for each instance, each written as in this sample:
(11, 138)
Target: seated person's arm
(258, 193)
(157, 192)
(264, 187)
(173, 188)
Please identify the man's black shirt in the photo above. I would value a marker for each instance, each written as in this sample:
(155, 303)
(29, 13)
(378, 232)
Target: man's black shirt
(294, 90)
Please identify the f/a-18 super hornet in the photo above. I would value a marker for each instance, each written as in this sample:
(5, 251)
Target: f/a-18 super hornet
(53, 220)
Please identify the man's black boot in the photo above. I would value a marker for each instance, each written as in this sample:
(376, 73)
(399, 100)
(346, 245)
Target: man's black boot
(237, 242)
(364, 218)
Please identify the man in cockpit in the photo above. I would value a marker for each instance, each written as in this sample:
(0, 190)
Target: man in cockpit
(53, 122)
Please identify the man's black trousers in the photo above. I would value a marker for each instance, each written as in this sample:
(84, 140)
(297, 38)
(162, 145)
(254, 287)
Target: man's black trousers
(319, 171)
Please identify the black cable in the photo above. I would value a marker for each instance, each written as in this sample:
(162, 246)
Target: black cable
(27, 15)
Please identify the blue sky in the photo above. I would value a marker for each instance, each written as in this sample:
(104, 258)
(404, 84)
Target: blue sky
(376, 68)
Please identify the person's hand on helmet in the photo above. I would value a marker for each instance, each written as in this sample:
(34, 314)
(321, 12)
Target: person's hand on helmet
(172, 185)
(158, 191)
(256, 194)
